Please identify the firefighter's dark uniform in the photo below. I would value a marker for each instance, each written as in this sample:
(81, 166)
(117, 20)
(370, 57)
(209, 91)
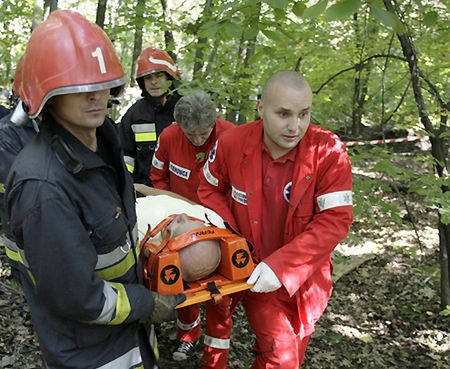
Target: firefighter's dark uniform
(72, 214)
(12, 141)
(139, 131)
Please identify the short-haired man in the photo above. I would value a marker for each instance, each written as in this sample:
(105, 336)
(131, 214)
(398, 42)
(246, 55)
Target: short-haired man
(286, 185)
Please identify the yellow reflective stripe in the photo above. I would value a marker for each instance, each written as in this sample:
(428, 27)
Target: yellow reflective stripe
(123, 307)
(2, 188)
(130, 168)
(121, 268)
(144, 137)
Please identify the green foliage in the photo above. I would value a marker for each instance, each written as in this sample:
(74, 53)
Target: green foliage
(343, 9)
(430, 18)
(315, 10)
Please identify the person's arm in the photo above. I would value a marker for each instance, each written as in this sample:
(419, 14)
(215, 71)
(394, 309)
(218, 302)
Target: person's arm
(127, 141)
(159, 169)
(296, 261)
(62, 262)
(214, 185)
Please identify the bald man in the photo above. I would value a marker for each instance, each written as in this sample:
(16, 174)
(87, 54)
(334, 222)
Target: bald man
(285, 184)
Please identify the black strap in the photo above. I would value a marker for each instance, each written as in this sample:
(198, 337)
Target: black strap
(211, 286)
(67, 156)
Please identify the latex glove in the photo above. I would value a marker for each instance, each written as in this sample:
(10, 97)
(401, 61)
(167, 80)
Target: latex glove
(264, 279)
(164, 307)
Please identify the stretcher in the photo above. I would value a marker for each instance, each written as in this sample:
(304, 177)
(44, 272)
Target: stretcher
(163, 272)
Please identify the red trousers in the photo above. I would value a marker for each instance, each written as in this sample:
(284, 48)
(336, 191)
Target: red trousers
(218, 330)
(274, 319)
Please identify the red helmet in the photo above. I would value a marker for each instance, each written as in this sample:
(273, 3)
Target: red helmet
(18, 77)
(152, 60)
(67, 54)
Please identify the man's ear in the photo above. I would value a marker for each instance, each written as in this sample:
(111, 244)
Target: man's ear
(260, 107)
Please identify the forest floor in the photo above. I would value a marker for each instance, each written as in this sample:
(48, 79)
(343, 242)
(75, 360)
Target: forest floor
(384, 311)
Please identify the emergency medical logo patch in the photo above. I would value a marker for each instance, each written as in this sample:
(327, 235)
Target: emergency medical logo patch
(170, 274)
(212, 153)
(287, 192)
(240, 258)
(200, 156)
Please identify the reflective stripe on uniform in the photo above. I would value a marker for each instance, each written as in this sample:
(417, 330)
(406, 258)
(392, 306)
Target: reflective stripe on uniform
(238, 196)
(2, 188)
(218, 343)
(188, 327)
(158, 164)
(16, 254)
(129, 162)
(109, 307)
(334, 199)
(121, 268)
(123, 307)
(209, 177)
(118, 254)
(128, 360)
(179, 171)
(144, 132)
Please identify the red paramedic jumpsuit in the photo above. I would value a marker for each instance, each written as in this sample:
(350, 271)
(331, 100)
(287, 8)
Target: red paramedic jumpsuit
(318, 218)
(175, 167)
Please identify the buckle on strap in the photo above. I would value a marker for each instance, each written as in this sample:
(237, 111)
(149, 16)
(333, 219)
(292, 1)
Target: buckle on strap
(214, 291)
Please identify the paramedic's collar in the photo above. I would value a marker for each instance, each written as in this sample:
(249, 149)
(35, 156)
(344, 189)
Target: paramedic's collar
(282, 159)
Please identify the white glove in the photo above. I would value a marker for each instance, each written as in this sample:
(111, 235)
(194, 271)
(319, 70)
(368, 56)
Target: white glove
(264, 279)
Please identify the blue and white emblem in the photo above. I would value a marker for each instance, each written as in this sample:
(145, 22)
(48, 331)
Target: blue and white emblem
(287, 191)
(213, 152)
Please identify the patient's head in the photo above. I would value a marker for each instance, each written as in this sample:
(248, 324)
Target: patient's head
(200, 259)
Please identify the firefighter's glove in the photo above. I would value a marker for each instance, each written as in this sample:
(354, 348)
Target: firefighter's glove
(264, 279)
(164, 307)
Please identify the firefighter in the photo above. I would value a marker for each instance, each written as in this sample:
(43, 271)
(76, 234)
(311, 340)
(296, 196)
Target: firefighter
(285, 184)
(13, 138)
(16, 129)
(181, 152)
(140, 127)
(71, 207)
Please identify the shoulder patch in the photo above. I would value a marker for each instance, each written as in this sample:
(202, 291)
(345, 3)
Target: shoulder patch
(213, 152)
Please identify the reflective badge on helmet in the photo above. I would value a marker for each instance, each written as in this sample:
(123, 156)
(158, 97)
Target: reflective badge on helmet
(240, 258)
(287, 191)
(170, 274)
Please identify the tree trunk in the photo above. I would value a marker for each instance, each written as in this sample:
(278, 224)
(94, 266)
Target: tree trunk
(101, 11)
(239, 114)
(137, 47)
(201, 43)
(168, 35)
(437, 147)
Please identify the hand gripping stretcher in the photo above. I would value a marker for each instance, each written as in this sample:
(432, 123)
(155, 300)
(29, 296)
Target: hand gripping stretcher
(162, 266)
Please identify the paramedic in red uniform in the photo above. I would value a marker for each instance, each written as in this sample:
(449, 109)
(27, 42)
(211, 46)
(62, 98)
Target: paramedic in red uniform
(286, 185)
(181, 152)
